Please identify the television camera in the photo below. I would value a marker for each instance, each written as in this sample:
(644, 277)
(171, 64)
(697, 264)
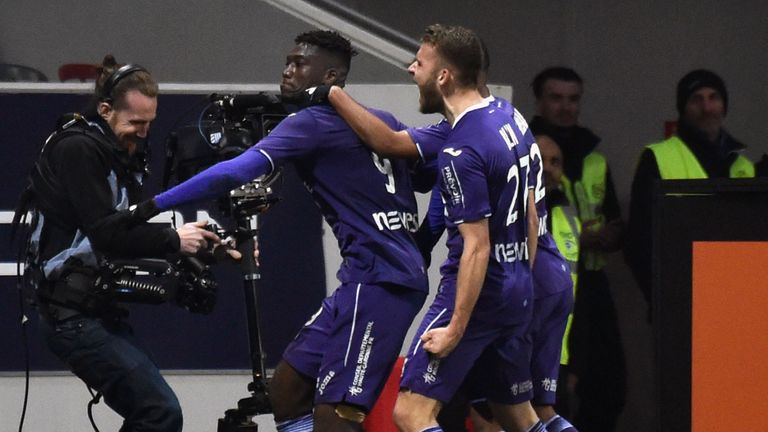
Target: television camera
(226, 127)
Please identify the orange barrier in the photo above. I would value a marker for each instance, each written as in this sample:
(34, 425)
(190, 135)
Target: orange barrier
(729, 379)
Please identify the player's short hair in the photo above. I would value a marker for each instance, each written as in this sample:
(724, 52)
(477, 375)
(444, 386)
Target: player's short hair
(459, 47)
(561, 73)
(486, 57)
(332, 42)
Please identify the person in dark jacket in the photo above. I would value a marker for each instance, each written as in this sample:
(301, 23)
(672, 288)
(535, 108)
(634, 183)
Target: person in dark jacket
(88, 174)
(701, 148)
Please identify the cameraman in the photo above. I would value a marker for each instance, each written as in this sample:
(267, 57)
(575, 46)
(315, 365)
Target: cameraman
(89, 170)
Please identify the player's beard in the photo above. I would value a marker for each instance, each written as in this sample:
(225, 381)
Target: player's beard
(430, 99)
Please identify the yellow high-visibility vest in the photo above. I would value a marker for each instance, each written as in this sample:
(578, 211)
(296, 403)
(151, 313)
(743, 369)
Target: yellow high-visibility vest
(566, 228)
(588, 194)
(677, 162)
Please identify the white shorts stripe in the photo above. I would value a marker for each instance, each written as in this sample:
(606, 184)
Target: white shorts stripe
(429, 327)
(354, 321)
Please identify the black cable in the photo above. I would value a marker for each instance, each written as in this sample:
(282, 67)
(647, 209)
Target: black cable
(23, 322)
(95, 399)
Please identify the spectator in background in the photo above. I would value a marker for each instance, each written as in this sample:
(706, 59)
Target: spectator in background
(597, 358)
(701, 149)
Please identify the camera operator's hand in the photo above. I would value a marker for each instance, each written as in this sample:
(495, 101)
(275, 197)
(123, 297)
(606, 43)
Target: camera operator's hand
(226, 250)
(194, 237)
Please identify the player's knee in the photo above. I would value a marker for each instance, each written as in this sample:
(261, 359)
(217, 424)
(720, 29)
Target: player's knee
(483, 409)
(286, 408)
(407, 418)
(401, 417)
(544, 412)
(290, 393)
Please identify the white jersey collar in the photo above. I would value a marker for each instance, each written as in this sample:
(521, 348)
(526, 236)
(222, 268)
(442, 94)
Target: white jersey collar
(478, 105)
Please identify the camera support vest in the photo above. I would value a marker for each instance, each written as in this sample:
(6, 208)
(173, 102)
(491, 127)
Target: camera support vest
(676, 161)
(588, 194)
(46, 193)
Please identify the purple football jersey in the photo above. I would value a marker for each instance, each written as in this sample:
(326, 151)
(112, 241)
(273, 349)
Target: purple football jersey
(548, 257)
(367, 200)
(429, 140)
(484, 168)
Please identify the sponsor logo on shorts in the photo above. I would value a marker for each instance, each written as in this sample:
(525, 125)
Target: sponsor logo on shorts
(362, 361)
(521, 387)
(549, 384)
(324, 383)
(430, 375)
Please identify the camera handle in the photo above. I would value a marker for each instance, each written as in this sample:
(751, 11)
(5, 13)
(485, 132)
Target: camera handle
(240, 419)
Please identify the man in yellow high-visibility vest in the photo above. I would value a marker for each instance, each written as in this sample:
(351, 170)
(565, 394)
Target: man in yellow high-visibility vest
(701, 149)
(597, 356)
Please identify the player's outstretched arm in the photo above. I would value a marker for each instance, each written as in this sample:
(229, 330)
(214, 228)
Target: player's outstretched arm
(216, 180)
(372, 130)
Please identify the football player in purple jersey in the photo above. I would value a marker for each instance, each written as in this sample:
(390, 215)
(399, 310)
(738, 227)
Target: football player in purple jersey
(333, 371)
(485, 297)
(552, 283)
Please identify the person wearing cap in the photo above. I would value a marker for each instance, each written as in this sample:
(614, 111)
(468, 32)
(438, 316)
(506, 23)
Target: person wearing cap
(701, 149)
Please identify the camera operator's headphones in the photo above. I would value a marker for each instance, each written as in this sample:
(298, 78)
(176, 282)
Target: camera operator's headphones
(114, 79)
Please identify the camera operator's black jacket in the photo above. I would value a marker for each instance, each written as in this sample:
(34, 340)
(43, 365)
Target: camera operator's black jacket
(80, 183)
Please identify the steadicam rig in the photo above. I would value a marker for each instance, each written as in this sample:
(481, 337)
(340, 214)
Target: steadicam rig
(226, 128)
(252, 198)
(186, 281)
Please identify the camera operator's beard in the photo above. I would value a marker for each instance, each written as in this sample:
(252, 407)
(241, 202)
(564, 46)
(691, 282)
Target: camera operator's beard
(135, 144)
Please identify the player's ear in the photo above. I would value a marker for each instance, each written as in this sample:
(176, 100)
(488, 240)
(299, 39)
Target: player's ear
(333, 76)
(443, 76)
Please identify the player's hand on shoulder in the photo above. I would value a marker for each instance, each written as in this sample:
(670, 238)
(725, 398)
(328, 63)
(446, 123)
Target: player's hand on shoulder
(317, 95)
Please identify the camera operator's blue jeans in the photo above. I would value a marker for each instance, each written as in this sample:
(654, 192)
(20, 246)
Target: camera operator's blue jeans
(105, 355)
